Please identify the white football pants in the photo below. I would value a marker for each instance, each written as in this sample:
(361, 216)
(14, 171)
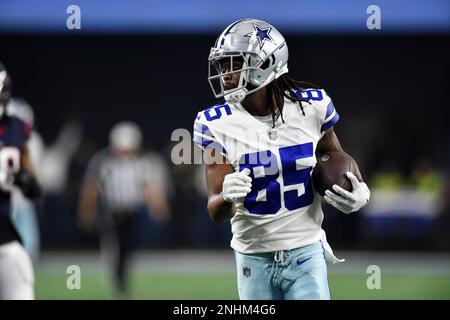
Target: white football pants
(16, 273)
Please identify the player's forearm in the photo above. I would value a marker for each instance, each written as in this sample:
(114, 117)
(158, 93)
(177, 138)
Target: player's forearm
(219, 210)
(328, 143)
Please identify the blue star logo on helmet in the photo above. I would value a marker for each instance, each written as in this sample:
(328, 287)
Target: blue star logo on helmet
(262, 34)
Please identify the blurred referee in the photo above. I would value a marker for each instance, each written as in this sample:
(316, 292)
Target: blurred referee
(118, 182)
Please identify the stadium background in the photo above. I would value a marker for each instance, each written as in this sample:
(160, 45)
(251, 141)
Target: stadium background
(390, 87)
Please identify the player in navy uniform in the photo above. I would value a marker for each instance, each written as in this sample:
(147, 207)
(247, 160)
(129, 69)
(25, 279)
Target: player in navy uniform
(16, 270)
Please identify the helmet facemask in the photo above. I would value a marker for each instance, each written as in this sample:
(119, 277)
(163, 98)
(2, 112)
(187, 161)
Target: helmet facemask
(238, 62)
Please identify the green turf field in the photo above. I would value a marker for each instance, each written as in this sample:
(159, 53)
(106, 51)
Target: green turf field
(223, 286)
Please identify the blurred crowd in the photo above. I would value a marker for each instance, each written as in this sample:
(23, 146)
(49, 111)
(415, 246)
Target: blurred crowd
(408, 210)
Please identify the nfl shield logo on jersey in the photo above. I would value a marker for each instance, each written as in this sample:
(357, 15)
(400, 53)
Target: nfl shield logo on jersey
(273, 135)
(246, 271)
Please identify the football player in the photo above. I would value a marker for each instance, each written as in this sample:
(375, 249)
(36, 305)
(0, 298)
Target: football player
(260, 147)
(23, 210)
(16, 270)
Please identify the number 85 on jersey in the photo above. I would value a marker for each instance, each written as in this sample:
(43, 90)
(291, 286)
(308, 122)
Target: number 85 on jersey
(294, 186)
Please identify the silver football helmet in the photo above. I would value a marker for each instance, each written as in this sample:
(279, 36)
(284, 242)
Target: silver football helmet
(260, 48)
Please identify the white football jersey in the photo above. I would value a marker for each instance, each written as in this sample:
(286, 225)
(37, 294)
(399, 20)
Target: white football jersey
(282, 210)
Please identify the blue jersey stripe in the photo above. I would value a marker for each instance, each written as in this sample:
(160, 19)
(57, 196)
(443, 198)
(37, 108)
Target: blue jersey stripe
(330, 123)
(201, 141)
(209, 144)
(203, 129)
(330, 109)
(202, 137)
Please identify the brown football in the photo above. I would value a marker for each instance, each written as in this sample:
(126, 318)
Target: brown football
(331, 168)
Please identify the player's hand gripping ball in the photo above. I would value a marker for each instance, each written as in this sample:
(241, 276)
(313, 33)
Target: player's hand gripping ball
(336, 177)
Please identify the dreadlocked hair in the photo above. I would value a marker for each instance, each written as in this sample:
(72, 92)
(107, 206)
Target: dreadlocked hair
(283, 87)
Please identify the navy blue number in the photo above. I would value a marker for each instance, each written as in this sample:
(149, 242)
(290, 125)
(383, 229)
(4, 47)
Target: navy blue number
(265, 196)
(264, 184)
(218, 112)
(291, 176)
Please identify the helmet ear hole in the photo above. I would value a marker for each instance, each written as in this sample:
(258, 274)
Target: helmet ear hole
(265, 65)
(268, 62)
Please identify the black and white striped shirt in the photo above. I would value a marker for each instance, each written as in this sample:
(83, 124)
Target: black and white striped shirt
(122, 179)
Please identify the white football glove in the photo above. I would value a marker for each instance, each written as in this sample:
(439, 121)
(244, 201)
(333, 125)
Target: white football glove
(348, 202)
(236, 185)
